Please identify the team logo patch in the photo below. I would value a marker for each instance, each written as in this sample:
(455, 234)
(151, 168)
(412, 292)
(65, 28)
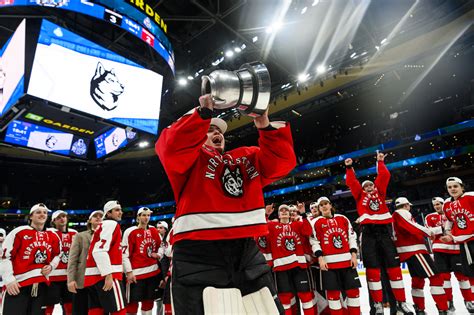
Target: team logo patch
(461, 222)
(337, 241)
(374, 205)
(232, 182)
(262, 242)
(65, 257)
(105, 88)
(40, 256)
(290, 244)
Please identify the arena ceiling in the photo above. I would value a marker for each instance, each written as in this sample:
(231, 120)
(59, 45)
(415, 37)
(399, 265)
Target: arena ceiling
(293, 38)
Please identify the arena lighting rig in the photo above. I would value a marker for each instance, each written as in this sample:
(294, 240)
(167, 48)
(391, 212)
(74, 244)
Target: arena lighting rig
(67, 95)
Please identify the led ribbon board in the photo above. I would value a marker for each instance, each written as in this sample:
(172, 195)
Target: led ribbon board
(153, 36)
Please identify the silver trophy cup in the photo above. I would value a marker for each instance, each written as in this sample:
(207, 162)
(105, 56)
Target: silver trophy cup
(247, 89)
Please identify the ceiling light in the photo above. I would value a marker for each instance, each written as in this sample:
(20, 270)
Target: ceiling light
(353, 54)
(229, 53)
(275, 27)
(182, 82)
(383, 41)
(143, 144)
(377, 47)
(200, 70)
(254, 39)
(320, 69)
(303, 11)
(315, 2)
(302, 77)
(237, 49)
(243, 46)
(190, 77)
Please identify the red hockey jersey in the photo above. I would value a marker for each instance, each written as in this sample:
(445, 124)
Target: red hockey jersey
(60, 273)
(371, 207)
(434, 220)
(105, 254)
(409, 235)
(335, 240)
(137, 247)
(25, 252)
(286, 244)
(219, 196)
(460, 215)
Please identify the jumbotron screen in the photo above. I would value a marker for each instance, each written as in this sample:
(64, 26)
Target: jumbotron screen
(72, 71)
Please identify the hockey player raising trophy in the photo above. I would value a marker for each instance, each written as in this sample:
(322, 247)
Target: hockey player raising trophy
(220, 209)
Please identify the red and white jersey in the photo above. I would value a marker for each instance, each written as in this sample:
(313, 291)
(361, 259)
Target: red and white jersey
(219, 196)
(60, 273)
(460, 215)
(371, 206)
(434, 220)
(105, 254)
(286, 244)
(335, 240)
(137, 246)
(25, 252)
(409, 235)
(264, 247)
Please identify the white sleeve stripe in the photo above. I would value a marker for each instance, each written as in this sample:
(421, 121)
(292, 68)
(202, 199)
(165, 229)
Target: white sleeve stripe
(406, 215)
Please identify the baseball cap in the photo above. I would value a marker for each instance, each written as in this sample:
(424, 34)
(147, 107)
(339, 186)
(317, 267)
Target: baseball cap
(437, 199)
(366, 182)
(95, 212)
(219, 123)
(163, 223)
(38, 206)
(112, 204)
(292, 208)
(57, 213)
(143, 209)
(313, 204)
(283, 206)
(323, 199)
(454, 179)
(3, 233)
(402, 201)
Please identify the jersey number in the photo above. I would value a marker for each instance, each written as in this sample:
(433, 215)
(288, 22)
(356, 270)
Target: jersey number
(101, 246)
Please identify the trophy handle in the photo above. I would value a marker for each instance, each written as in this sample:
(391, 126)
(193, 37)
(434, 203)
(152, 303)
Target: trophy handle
(206, 88)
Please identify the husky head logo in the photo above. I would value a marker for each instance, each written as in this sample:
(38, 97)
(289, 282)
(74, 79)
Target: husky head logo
(233, 182)
(374, 205)
(51, 141)
(105, 88)
(337, 241)
(149, 251)
(461, 222)
(65, 257)
(262, 241)
(115, 140)
(40, 256)
(290, 244)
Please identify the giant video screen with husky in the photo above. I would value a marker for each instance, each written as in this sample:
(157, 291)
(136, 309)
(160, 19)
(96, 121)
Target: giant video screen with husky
(72, 71)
